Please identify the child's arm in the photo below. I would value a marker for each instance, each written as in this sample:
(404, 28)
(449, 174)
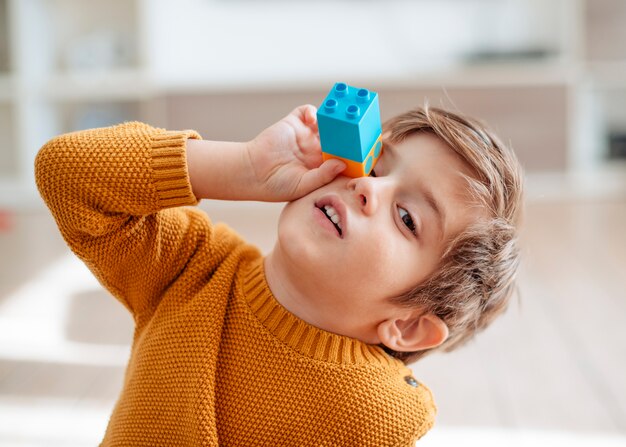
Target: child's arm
(116, 194)
(112, 192)
(283, 163)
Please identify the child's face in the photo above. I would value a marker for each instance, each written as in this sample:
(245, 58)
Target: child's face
(394, 229)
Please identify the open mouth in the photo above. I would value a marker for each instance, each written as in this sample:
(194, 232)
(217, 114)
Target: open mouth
(331, 213)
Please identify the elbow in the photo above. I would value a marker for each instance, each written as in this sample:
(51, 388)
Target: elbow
(47, 163)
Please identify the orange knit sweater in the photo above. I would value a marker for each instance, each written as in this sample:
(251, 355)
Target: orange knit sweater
(215, 359)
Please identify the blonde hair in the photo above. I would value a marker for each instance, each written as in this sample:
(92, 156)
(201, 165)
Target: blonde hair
(476, 276)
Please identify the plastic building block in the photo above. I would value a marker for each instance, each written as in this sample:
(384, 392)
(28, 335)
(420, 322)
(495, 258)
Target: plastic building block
(350, 128)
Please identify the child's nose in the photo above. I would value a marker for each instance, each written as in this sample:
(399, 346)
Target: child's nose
(368, 192)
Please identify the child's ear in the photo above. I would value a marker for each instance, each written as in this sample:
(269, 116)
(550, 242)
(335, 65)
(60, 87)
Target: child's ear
(413, 333)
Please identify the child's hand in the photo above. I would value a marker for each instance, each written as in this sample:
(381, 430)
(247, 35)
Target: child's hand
(286, 157)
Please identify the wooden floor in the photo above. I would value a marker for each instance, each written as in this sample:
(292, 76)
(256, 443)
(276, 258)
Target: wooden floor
(556, 361)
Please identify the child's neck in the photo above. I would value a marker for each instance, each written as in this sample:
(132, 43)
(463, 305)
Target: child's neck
(306, 297)
(290, 294)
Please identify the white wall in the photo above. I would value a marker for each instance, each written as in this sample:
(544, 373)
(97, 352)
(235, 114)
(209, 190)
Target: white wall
(195, 42)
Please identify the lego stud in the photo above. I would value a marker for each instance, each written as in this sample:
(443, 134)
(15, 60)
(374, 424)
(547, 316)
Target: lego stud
(330, 106)
(341, 90)
(353, 111)
(363, 95)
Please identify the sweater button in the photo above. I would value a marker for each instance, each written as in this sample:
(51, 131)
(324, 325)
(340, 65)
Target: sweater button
(411, 381)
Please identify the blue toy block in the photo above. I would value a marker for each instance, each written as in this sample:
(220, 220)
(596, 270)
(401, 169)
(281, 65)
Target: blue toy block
(350, 128)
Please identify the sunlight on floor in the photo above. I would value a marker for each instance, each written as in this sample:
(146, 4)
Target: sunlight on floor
(31, 329)
(51, 423)
(498, 437)
(32, 320)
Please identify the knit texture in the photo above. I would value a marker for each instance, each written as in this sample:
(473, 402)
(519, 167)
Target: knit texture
(215, 359)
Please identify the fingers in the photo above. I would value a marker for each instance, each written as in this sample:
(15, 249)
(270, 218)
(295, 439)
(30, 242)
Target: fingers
(307, 114)
(312, 118)
(310, 114)
(318, 177)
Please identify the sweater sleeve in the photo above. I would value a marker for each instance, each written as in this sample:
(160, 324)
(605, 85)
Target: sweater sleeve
(116, 195)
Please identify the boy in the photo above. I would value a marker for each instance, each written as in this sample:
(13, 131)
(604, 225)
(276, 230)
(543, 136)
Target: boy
(308, 345)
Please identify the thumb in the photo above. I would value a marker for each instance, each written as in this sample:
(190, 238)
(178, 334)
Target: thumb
(318, 177)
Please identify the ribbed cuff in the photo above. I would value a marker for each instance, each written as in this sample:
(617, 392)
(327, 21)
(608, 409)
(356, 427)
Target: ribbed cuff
(169, 168)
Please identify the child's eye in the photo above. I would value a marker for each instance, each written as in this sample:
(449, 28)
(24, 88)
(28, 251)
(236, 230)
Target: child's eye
(407, 220)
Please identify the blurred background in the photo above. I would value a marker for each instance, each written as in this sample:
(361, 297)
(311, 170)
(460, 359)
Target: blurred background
(548, 76)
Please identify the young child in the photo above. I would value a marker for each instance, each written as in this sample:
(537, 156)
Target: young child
(308, 345)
